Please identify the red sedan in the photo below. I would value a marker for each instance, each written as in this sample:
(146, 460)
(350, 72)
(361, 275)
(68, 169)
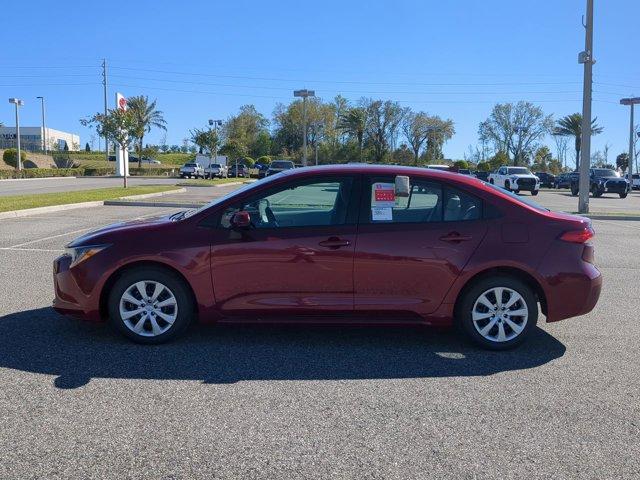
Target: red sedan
(339, 244)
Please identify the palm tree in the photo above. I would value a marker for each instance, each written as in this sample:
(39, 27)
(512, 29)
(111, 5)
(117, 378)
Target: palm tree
(571, 126)
(354, 122)
(146, 116)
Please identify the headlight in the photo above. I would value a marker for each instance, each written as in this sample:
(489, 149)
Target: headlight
(82, 253)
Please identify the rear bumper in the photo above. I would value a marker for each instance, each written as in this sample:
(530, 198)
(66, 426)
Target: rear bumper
(573, 295)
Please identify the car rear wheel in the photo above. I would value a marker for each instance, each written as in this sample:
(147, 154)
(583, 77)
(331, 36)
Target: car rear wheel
(534, 192)
(150, 305)
(574, 191)
(498, 312)
(623, 195)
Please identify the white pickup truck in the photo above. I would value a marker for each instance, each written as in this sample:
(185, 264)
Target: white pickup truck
(192, 170)
(515, 179)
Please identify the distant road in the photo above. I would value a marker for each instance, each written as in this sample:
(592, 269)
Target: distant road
(27, 187)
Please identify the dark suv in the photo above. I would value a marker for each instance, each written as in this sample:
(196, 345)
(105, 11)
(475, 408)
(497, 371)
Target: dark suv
(546, 179)
(601, 181)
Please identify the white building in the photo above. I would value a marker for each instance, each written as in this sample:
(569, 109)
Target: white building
(31, 139)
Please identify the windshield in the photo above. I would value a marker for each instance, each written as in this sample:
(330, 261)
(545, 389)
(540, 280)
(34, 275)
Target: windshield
(279, 164)
(215, 165)
(224, 198)
(604, 172)
(523, 200)
(189, 164)
(518, 171)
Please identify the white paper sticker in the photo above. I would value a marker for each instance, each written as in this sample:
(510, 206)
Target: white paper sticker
(383, 195)
(379, 214)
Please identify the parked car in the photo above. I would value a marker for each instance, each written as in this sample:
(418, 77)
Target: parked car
(238, 170)
(636, 181)
(262, 170)
(515, 179)
(601, 181)
(484, 176)
(340, 243)
(465, 171)
(546, 179)
(216, 170)
(194, 170)
(563, 180)
(278, 166)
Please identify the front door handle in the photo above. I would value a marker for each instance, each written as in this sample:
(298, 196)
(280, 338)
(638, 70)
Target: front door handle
(334, 242)
(455, 237)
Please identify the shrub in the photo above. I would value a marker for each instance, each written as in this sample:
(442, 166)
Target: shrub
(264, 160)
(248, 161)
(42, 173)
(10, 157)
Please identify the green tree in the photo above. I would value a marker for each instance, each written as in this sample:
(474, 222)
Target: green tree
(463, 164)
(571, 126)
(383, 119)
(515, 129)
(245, 127)
(146, 117)
(206, 140)
(622, 161)
(353, 122)
(415, 127)
(439, 131)
(233, 149)
(87, 148)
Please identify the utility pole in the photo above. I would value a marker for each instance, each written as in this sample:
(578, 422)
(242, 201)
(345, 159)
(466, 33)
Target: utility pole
(630, 102)
(586, 57)
(18, 103)
(44, 128)
(304, 94)
(104, 84)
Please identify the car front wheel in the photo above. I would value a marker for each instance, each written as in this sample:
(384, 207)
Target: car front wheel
(498, 312)
(534, 192)
(150, 305)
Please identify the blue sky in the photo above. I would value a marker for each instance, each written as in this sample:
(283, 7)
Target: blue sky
(204, 59)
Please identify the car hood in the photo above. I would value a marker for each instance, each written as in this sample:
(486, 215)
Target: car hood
(108, 233)
(522, 175)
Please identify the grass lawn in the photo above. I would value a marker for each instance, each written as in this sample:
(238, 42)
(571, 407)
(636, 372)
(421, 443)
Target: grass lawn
(201, 182)
(20, 202)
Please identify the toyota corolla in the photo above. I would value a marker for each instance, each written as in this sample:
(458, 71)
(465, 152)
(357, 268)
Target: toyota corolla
(344, 244)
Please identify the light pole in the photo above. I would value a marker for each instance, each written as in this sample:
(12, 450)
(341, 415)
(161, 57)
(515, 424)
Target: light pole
(18, 103)
(215, 124)
(586, 57)
(44, 127)
(630, 102)
(304, 94)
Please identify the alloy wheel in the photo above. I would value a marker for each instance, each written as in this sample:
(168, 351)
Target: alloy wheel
(500, 314)
(148, 308)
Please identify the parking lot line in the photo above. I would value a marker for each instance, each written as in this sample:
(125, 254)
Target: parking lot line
(49, 237)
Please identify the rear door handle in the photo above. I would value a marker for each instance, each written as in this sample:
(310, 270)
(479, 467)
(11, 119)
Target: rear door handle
(455, 237)
(334, 242)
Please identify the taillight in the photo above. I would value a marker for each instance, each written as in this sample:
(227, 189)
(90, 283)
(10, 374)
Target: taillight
(578, 236)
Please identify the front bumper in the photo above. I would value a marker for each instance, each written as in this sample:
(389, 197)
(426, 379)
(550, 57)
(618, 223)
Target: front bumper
(525, 184)
(70, 298)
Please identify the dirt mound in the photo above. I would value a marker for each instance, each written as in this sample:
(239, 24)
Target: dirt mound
(34, 160)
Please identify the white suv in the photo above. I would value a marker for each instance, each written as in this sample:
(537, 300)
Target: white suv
(216, 170)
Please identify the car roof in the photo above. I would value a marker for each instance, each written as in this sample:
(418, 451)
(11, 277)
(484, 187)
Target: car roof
(368, 169)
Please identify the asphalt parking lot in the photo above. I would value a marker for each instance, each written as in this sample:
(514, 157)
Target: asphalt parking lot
(79, 401)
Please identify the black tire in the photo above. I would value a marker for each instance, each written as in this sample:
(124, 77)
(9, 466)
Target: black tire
(507, 186)
(469, 297)
(491, 181)
(623, 195)
(177, 286)
(534, 192)
(516, 191)
(574, 191)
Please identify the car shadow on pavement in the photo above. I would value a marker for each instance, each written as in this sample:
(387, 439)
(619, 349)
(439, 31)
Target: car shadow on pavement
(41, 341)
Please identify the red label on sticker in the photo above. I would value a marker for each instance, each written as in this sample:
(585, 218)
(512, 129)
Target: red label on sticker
(385, 195)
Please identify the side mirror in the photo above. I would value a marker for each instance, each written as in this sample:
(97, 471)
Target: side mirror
(402, 187)
(241, 219)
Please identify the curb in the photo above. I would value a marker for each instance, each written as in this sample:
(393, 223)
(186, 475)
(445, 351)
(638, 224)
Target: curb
(69, 206)
(30, 179)
(632, 218)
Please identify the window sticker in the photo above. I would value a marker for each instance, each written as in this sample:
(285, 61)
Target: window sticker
(381, 214)
(383, 195)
